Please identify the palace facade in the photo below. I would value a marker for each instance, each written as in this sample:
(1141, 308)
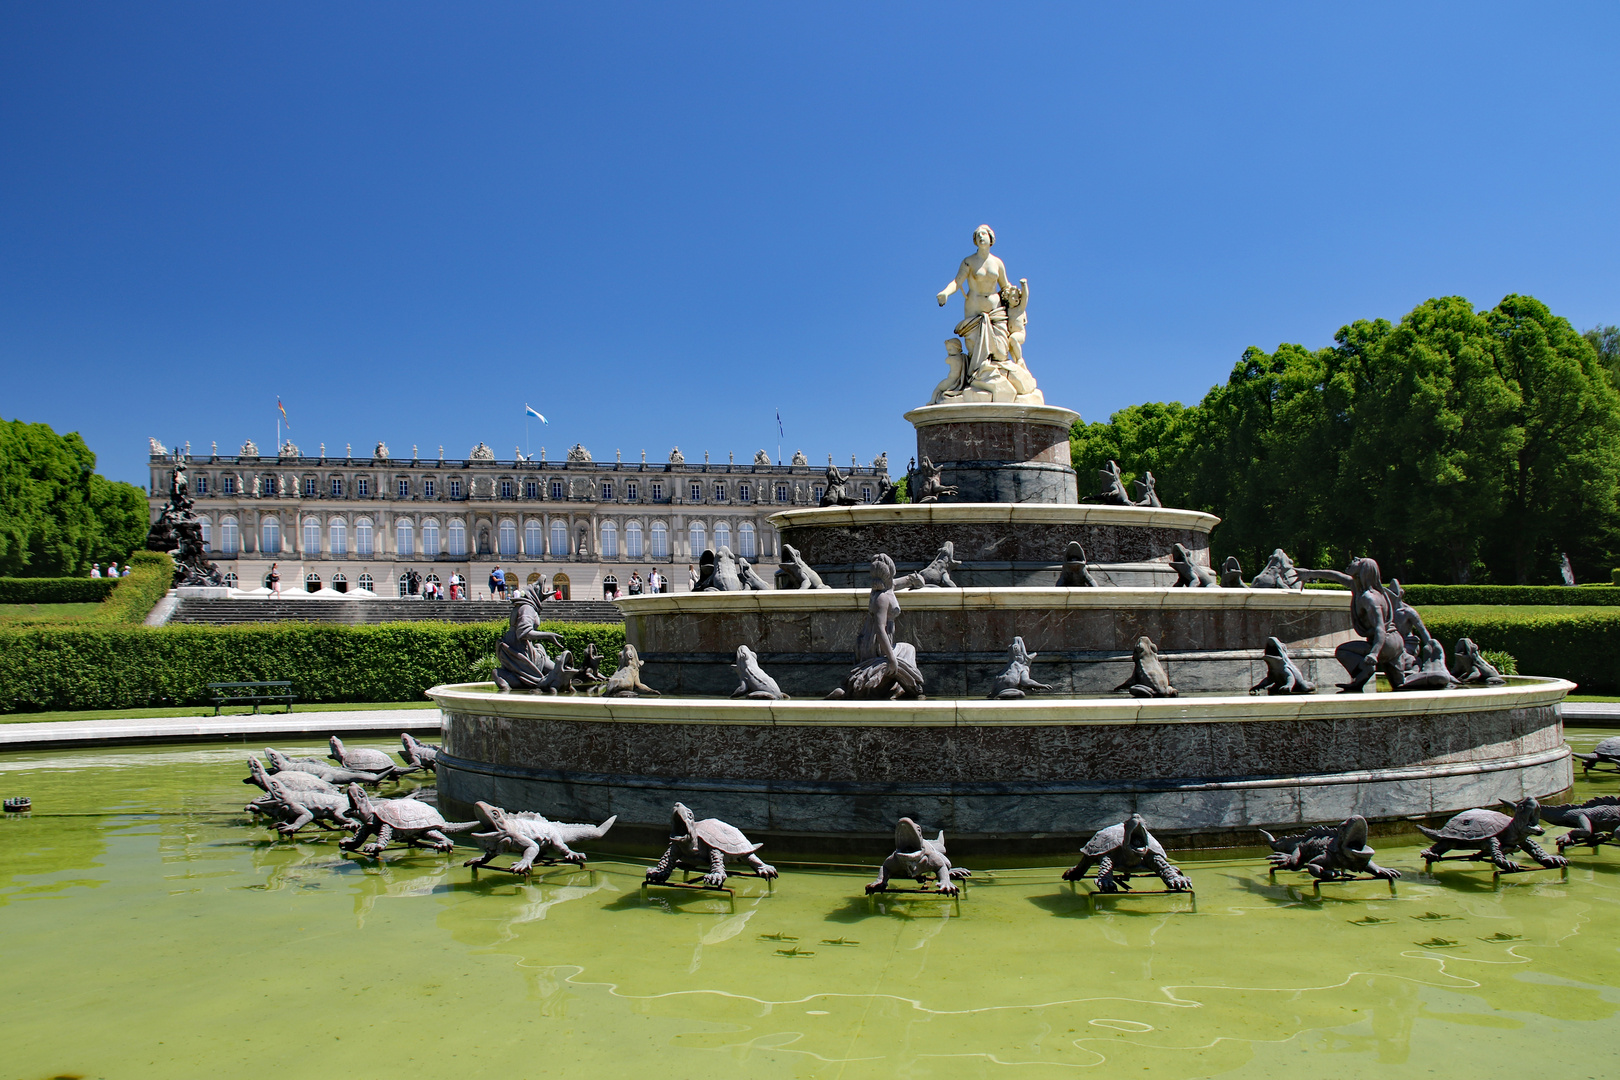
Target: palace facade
(346, 522)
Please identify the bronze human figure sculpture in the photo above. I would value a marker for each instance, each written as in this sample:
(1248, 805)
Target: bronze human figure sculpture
(884, 668)
(1372, 614)
(523, 662)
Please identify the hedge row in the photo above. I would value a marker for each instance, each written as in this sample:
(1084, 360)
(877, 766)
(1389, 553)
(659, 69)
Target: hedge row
(55, 590)
(107, 667)
(1583, 647)
(1558, 595)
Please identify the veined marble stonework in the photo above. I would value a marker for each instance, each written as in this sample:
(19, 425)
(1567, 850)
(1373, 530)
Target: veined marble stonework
(829, 775)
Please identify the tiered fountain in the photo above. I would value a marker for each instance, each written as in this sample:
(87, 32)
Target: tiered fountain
(807, 774)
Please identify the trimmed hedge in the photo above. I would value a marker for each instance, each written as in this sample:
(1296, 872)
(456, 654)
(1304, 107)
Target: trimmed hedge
(56, 590)
(151, 575)
(1555, 595)
(1583, 647)
(107, 667)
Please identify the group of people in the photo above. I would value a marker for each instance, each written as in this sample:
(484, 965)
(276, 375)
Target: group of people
(652, 583)
(112, 570)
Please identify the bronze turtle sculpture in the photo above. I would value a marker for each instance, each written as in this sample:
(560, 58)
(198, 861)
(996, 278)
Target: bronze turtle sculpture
(917, 857)
(292, 780)
(705, 846)
(1121, 850)
(404, 819)
(1491, 835)
(1606, 752)
(280, 763)
(364, 759)
(298, 808)
(1328, 852)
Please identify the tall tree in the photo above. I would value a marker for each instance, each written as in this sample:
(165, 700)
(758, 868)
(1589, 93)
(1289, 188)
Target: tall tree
(56, 515)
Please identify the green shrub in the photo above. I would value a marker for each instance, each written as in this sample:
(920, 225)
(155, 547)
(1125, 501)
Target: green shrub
(56, 590)
(151, 575)
(1501, 661)
(1555, 595)
(123, 667)
(1583, 647)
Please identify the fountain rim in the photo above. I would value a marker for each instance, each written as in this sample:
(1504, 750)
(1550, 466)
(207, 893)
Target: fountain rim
(969, 412)
(955, 513)
(991, 598)
(1522, 691)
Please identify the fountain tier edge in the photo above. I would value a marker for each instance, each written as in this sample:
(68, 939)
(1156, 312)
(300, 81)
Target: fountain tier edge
(818, 776)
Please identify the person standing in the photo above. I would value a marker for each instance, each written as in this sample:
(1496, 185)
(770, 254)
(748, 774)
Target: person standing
(656, 580)
(112, 569)
(95, 569)
(125, 571)
(275, 580)
(691, 578)
(497, 584)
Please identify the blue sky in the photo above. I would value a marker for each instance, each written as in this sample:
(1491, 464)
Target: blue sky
(659, 225)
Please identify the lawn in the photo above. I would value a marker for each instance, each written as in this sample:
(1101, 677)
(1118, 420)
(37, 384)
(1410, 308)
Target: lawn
(44, 614)
(205, 710)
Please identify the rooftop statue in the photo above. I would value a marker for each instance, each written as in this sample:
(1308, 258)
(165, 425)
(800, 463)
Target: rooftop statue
(987, 364)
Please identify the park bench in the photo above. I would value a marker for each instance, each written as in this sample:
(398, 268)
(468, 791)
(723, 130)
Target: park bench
(252, 693)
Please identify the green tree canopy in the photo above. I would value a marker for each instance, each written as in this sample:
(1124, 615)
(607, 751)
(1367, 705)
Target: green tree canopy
(56, 515)
(1458, 445)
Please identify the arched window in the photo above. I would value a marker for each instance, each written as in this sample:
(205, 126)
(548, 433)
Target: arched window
(632, 539)
(458, 539)
(312, 582)
(745, 540)
(366, 583)
(534, 540)
(610, 540)
(270, 536)
(430, 537)
(508, 537)
(404, 537)
(230, 580)
(340, 583)
(696, 539)
(660, 540)
(230, 536)
(559, 539)
(337, 537)
(207, 534)
(312, 539)
(722, 535)
(404, 585)
(362, 538)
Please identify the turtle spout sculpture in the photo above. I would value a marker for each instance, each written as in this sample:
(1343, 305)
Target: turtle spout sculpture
(420, 754)
(705, 846)
(281, 763)
(362, 759)
(1592, 822)
(1469, 666)
(1121, 850)
(402, 819)
(532, 835)
(917, 857)
(755, 683)
(1015, 679)
(1148, 678)
(1328, 852)
(298, 808)
(1282, 676)
(1606, 752)
(1491, 835)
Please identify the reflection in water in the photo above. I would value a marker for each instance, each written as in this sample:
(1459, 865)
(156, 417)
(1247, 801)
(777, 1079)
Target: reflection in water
(198, 926)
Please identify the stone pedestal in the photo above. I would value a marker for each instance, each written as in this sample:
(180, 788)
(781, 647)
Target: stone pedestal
(999, 453)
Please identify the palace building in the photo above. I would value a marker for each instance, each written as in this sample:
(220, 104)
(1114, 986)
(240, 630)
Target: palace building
(346, 522)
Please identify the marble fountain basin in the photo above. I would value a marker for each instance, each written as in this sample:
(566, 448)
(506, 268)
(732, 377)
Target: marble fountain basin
(818, 776)
(998, 543)
(1209, 639)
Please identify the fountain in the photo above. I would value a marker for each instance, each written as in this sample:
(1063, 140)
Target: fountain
(943, 745)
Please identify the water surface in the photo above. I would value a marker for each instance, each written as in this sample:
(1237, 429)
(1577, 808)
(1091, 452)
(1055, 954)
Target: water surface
(147, 931)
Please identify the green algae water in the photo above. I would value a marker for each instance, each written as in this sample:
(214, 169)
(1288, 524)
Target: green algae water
(146, 930)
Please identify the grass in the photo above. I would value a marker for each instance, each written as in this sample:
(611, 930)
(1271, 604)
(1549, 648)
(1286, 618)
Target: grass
(206, 710)
(44, 614)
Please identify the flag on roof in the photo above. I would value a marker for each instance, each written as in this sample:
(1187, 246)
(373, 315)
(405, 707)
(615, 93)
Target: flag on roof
(529, 410)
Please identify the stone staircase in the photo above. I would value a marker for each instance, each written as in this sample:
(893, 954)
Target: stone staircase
(361, 612)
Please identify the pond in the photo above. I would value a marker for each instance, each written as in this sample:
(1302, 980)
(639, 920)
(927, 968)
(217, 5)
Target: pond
(147, 930)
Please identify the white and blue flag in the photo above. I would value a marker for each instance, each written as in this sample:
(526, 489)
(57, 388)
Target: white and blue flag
(531, 411)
